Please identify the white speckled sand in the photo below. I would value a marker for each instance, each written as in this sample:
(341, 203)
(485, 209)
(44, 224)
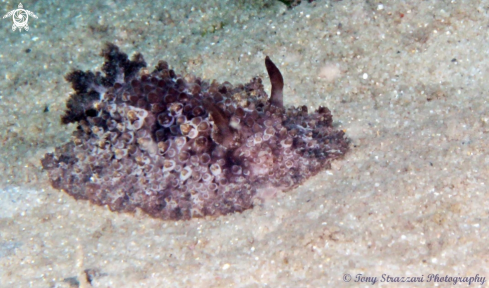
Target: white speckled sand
(406, 80)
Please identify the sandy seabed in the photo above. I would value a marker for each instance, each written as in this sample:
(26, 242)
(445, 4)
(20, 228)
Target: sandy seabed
(404, 79)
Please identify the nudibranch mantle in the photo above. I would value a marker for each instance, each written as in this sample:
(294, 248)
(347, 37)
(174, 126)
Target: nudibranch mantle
(181, 147)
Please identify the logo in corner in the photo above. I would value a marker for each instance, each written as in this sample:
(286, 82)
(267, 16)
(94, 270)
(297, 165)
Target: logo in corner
(20, 17)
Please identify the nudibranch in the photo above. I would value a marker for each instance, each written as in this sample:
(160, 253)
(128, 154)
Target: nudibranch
(178, 147)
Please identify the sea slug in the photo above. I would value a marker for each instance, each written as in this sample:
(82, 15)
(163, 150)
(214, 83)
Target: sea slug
(179, 147)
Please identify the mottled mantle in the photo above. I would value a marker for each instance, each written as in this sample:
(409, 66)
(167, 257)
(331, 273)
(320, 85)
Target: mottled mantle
(180, 147)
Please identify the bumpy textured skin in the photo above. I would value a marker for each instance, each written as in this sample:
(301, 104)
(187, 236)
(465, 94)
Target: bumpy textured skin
(180, 147)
